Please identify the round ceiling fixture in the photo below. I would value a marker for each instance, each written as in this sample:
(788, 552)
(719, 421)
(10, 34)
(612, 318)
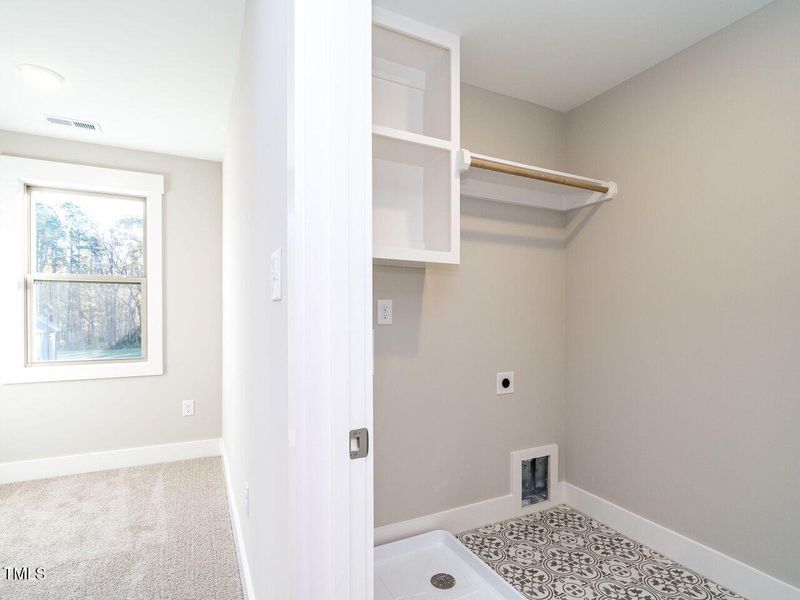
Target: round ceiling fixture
(41, 76)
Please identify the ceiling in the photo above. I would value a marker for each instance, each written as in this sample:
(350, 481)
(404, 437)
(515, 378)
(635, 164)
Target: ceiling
(562, 53)
(158, 74)
(155, 74)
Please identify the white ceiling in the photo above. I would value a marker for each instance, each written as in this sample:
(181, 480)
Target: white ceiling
(562, 53)
(156, 74)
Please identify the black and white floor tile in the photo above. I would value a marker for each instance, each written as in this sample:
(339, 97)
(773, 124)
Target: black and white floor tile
(562, 553)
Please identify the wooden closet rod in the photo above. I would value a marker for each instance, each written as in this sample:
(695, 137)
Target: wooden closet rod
(491, 165)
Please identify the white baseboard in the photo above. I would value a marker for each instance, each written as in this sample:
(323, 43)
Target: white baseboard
(244, 566)
(453, 520)
(57, 466)
(727, 571)
(461, 518)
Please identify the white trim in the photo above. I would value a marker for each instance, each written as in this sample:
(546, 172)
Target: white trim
(16, 174)
(551, 451)
(409, 136)
(57, 466)
(68, 176)
(329, 276)
(238, 535)
(416, 29)
(460, 518)
(453, 520)
(723, 569)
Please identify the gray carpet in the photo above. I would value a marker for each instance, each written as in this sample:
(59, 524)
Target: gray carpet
(160, 532)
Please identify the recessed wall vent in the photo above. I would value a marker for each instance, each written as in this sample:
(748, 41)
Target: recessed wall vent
(74, 123)
(534, 478)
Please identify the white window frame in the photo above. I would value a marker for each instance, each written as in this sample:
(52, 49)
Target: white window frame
(17, 175)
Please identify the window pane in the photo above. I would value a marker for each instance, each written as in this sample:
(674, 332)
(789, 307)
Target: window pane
(88, 234)
(86, 321)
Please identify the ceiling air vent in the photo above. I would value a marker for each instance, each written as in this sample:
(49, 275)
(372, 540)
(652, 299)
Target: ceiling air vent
(75, 123)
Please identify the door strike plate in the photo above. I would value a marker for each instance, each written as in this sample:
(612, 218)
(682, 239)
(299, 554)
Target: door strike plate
(359, 443)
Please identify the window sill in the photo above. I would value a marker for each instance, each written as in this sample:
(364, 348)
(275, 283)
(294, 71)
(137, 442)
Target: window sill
(108, 370)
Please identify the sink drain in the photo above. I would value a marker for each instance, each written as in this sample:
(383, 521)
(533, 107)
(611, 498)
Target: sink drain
(443, 581)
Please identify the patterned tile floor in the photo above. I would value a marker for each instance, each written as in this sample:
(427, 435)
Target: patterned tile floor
(562, 553)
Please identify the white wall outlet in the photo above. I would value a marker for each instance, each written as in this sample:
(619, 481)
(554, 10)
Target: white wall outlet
(275, 264)
(505, 382)
(384, 312)
(246, 500)
(188, 408)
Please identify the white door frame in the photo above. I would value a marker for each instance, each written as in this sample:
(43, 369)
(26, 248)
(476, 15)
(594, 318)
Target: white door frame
(330, 288)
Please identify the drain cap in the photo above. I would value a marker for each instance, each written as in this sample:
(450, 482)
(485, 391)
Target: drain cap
(443, 581)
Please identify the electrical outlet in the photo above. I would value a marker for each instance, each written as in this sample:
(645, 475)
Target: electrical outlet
(246, 499)
(384, 312)
(188, 408)
(505, 382)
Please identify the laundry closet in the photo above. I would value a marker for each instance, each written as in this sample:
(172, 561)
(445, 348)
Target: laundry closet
(471, 215)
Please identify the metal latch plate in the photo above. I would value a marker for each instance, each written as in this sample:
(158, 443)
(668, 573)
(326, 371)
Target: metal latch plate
(359, 443)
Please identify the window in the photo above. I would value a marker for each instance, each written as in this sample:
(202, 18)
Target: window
(87, 303)
(87, 279)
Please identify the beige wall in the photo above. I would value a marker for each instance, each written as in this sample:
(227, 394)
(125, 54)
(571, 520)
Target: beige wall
(255, 344)
(513, 129)
(40, 420)
(442, 436)
(683, 295)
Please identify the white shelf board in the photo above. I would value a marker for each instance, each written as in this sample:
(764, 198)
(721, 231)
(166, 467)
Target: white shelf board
(408, 136)
(515, 189)
(407, 149)
(412, 257)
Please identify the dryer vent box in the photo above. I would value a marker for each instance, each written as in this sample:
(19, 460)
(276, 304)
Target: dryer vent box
(534, 478)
